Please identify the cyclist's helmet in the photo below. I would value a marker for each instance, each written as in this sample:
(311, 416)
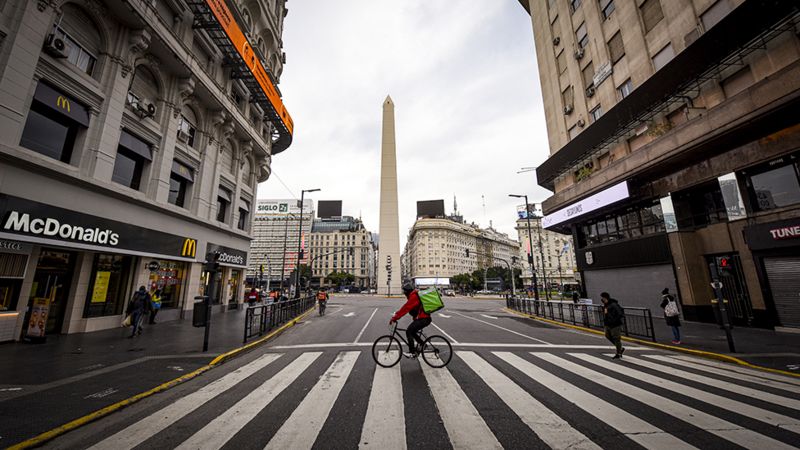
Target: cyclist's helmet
(407, 288)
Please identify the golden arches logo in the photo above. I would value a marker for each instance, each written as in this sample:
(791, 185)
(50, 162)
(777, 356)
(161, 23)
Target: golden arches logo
(189, 247)
(63, 103)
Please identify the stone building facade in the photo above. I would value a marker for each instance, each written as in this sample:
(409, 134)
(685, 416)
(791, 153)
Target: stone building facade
(556, 260)
(330, 245)
(132, 148)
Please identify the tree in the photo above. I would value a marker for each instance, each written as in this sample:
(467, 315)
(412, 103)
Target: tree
(340, 278)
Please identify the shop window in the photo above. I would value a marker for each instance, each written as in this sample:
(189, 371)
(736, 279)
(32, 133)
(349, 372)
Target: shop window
(49, 133)
(132, 155)
(108, 289)
(223, 204)
(774, 188)
(169, 278)
(616, 49)
(699, 206)
(606, 8)
(651, 14)
(180, 180)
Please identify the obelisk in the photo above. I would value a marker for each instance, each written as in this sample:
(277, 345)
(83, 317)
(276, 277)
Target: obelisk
(389, 282)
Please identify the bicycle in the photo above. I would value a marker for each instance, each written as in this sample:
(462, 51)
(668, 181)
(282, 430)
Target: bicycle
(322, 308)
(387, 349)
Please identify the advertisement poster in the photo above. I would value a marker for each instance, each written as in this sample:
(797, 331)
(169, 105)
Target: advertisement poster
(100, 291)
(38, 321)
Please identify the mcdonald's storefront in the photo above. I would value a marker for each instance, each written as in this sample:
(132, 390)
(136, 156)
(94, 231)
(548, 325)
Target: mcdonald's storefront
(77, 271)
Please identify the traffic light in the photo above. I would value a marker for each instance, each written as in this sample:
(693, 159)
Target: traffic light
(724, 265)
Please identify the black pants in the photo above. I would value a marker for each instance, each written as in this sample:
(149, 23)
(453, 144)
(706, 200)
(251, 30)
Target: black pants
(412, 332)
(153, 316)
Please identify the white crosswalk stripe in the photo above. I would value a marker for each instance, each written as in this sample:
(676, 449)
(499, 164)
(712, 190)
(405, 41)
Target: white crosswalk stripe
(714, 425)
(726, 367)
(633, 427)
(384, 407)
(140, 431)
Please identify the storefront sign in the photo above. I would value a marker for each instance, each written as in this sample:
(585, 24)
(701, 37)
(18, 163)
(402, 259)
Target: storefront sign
(599, 200)
(283, 207)
(61, 103)
(47, 224)
(783, 233)
(100, 291)
(152, 266)
(228, 256)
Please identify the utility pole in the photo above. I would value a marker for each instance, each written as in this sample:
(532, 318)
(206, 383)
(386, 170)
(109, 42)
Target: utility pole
(299, 240)
(530, 246)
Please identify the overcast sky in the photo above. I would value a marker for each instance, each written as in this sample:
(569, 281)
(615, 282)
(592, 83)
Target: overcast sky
(468, 106)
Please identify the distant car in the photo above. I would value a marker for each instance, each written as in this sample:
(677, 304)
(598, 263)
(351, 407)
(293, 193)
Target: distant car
(449, 293)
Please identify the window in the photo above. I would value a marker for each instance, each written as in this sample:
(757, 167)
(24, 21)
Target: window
(581, 36)
(223, 201)
(775, 188)
(625, 88)
(180, 180)
(595, 113)
(244, 214)
(561, 62)
(573, 132)
(81, 38)
(76, 55)
(49, 133)
(574, 5)
(107, 294)
(651, 14)
(588, 75)
(616, 49)
(699, 206)
(606, 8)
(568, 97)
(663, 57)
(634, 222)
(132, 155)
(715, 13)
(186, 130)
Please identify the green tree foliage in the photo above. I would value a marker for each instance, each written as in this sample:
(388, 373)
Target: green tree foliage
(340, 278)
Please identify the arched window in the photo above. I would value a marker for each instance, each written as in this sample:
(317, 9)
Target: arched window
(187, 126)
(246, 172)
(82, 39)
(226, 157)
(144, 89)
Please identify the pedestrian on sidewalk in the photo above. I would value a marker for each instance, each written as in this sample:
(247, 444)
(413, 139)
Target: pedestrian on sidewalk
(138, 307)
(155, 303)
(672, 314)
(613, 315)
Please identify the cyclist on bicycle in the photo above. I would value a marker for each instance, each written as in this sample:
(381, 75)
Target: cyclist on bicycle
(421, 319)
(322, 298)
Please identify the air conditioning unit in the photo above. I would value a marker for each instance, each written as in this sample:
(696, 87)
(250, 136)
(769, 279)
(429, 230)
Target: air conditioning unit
(568, 110)
(579, 53)
(590, 91)
(556, 40)
(144, 108)
(55, 47)
(183, 136)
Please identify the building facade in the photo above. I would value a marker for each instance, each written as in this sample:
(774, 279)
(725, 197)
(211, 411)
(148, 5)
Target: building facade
(553, 254)
(276, 229)
(342, 244)
(673, 129)
(131, 150)
(437, 248)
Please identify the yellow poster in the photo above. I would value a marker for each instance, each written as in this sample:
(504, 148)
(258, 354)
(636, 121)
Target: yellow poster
(100, 287)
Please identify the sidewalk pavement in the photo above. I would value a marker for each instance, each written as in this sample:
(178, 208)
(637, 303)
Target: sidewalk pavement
(774, 349)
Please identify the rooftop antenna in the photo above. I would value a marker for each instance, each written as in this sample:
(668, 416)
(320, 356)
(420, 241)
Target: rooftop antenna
(455, 205)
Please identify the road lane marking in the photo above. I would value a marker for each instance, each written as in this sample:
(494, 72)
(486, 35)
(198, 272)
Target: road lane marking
(460, 344)
(350, 314)
(552, 429)
(719, 401)
(443, 315)
(711, 424)
(489, 317)
(719, 384)
(301, 428)
(463, 423)
(365, 326)
(635, 429)
(220, 430)
(740, 370)
(385, 412)
(503, 328)
(453, 341)
(147, 427)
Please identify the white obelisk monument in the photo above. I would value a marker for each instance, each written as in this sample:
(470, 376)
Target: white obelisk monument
(389, 282)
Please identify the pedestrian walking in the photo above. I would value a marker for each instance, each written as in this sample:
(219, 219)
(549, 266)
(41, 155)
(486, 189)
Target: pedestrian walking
(138, 308)
(251, 297)
(672, 314)
(613, 315)
(155, 302)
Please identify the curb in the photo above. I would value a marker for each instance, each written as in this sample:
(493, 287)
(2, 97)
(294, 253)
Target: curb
(81, 421)
(693, 352)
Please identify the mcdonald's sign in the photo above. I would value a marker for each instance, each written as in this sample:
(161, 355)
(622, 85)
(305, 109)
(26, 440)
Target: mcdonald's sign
(189, 247)
(63, 103)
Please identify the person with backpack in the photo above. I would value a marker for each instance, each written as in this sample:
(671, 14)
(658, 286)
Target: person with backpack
(672, 314)
(322, 299)
(613, 316)
(251, 297)
(420, 319)
(138, 307)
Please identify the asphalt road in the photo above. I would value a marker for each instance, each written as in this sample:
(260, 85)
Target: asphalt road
(513, 383)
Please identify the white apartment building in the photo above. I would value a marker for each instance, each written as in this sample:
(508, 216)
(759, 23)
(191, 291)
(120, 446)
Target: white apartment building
(558, 265)
(330, 249)
(276, 227)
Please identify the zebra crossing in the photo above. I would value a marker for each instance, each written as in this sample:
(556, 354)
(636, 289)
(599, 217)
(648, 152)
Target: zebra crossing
(484, 399)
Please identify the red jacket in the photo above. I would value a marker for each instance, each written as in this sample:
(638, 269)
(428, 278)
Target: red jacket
(413, 306)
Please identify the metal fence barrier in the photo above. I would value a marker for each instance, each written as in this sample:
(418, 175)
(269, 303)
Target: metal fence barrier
(260, 319)
(638, 322)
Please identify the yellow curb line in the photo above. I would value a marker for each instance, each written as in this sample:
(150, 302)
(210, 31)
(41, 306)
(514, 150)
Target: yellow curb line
(700, 353)
(79, 422)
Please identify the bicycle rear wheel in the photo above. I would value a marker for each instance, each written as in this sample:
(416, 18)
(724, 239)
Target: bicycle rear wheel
(386, 351)
(437, 351)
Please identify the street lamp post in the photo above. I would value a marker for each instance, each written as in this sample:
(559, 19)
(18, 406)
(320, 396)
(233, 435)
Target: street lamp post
(530, 245)
(541, 254)
(299, 239)
(285, 235)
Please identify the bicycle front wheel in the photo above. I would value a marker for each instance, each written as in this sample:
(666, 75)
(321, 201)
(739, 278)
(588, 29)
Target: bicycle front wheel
(386, 351)
(437, 351)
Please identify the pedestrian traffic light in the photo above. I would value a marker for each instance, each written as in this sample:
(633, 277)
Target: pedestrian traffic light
(724, 265)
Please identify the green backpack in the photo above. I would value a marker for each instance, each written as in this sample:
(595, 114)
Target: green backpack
(431, 300)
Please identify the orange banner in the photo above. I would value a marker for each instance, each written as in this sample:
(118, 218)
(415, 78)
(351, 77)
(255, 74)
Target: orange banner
(239, 41)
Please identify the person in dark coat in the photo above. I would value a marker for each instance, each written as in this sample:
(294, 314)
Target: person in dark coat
(138, 308)
(613, 316)
(671, 314)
